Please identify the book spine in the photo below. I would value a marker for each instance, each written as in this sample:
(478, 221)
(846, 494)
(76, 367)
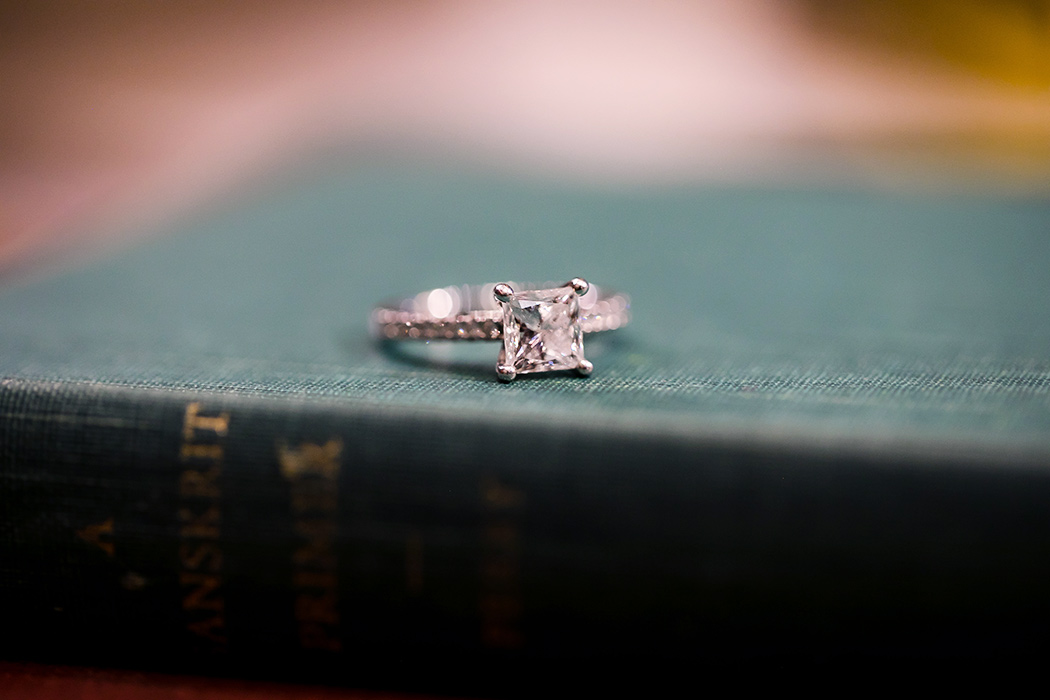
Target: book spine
(281, 538)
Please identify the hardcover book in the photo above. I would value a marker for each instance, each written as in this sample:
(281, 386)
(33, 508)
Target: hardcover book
(824, 435)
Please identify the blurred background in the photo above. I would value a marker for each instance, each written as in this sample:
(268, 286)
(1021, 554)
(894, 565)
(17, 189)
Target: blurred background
(117, 113)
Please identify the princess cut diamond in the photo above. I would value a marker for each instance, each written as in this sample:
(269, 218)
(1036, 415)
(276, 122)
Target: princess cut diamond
(541, 331)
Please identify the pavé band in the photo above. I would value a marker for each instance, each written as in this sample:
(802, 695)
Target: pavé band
(541, 326)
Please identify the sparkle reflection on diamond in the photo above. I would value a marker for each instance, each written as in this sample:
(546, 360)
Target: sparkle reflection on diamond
(541, 330)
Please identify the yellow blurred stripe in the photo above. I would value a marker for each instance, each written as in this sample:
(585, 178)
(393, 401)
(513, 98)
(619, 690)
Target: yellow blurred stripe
(1004, 40)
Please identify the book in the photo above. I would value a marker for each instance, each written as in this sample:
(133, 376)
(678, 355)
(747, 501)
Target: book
(825, 435)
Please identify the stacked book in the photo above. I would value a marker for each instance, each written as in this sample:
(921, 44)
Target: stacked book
(824, 435)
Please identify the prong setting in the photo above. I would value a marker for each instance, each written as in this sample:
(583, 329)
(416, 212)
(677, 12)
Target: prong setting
(580, 285)
(585, 368)
(502, 292)
(505, 373)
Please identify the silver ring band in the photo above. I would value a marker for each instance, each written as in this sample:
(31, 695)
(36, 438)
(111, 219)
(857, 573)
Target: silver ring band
(471, 312)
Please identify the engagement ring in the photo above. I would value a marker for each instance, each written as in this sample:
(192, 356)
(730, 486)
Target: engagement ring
(541, 326)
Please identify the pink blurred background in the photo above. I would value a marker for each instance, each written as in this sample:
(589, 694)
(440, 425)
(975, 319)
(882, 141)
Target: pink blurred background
(116, 115)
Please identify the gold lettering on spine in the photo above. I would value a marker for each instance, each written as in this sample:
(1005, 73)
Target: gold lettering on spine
(215, 426)
(204, 592)
(312, 472)
(500, 604)
(100, 535)
(202, 453)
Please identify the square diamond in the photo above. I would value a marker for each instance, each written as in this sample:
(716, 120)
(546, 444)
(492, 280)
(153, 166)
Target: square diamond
(541, 331)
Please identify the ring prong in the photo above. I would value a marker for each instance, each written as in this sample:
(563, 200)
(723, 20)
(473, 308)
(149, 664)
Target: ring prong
(585, 368)
(580, 285)
(505, 373)
(502, 292)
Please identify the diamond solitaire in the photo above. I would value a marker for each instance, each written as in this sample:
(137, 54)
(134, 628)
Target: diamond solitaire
(541, 330)
(541, 326)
